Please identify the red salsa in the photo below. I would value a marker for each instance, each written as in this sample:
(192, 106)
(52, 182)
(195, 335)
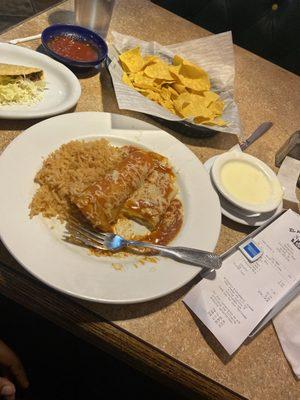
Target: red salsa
(75, 49)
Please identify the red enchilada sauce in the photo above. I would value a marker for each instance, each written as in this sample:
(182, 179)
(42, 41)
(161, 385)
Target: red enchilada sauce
(72, 48)
(169, 225)
(166, 230)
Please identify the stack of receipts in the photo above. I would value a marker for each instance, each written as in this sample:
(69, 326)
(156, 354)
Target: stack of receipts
(243, 293)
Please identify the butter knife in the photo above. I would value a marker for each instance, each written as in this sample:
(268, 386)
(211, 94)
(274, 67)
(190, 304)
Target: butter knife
(259, 131)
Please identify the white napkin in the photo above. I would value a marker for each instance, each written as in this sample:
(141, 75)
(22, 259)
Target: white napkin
(288, 175)
(287, 325)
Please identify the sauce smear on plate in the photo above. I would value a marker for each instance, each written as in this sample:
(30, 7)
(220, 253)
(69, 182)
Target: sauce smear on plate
(75, 49)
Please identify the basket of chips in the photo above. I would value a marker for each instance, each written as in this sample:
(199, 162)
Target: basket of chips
(188, 85)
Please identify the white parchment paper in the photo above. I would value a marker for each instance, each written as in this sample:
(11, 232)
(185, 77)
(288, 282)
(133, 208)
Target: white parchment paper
(213, 53)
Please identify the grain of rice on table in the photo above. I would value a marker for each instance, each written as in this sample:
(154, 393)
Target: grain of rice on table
(68, 171)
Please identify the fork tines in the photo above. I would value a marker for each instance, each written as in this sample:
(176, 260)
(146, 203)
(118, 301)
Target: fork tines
(75, 230)
(78, 239)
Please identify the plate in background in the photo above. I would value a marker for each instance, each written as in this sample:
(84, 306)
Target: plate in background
(62, 87)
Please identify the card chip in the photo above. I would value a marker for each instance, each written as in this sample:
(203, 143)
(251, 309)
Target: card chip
(250, 250)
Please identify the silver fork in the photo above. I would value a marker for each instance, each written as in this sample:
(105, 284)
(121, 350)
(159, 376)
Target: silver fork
(113, 242)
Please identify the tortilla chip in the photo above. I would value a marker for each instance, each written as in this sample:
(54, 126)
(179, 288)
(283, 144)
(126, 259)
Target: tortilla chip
(198, 85)
(177, 60)
(148, 60)
(132, 60)
(173, 92)
(159, 70)
(181, 87)
(202, 120)
(142, 81)
(178, 87)
(154, 96)
(217, 107)
(210, 97)
(219, 122)
(126, 79)
(193, 105)
(165, 93)
(191, 75)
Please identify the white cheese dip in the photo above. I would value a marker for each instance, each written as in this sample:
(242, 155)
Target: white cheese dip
(245, 182)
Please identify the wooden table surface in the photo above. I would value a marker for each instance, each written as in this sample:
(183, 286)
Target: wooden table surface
(161, 337)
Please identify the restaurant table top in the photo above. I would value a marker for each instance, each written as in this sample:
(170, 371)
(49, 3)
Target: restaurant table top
(161, 337)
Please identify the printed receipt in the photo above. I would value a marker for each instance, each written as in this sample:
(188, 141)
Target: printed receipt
(232, 304)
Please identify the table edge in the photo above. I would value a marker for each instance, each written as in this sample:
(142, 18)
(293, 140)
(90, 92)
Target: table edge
(68, 314)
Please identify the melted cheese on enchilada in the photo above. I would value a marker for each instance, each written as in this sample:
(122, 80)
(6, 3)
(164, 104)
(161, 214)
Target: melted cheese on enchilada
(142, 187)
(148, 204)
(101, 202)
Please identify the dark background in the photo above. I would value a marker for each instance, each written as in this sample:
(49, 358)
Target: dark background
(269, 28)
(15, 11)
(62, 367)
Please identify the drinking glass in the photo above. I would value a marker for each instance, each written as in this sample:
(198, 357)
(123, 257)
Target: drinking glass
(94, 14)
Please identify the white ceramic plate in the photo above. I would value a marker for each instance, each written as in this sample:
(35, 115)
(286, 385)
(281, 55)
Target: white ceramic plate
(72, 270)
(62, 87)
(238, 214)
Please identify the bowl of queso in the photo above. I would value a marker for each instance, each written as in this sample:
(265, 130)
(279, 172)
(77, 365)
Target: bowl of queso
(74, 45)
(247, 182)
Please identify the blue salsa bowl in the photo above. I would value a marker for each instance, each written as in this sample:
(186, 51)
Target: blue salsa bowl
(79, 33)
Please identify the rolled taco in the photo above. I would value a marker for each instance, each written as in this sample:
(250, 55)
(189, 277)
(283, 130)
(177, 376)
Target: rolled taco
(20, 84)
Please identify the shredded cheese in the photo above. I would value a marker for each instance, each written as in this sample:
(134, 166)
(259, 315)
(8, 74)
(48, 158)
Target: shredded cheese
(20, 90)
